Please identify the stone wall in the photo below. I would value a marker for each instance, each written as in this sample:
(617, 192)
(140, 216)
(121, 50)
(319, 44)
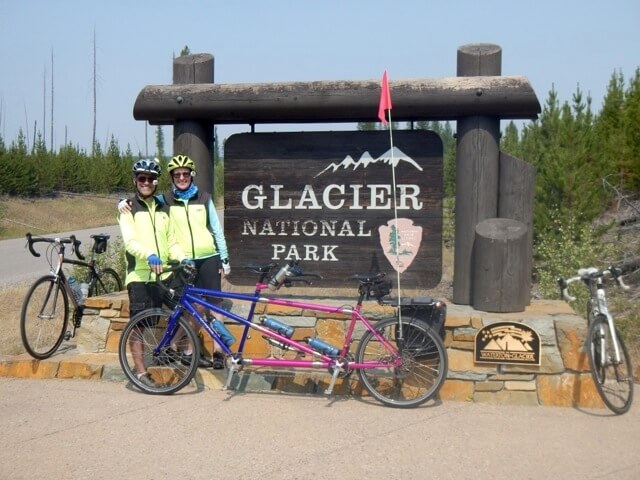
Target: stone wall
(562, 379)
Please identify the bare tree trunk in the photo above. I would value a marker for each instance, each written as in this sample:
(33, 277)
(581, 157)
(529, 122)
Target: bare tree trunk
(93, 140)
(26, 122)
(51, 136)
(44, 107)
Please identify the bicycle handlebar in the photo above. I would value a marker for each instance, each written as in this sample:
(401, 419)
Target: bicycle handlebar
(71, 240)
(587, 275)
(173, 266)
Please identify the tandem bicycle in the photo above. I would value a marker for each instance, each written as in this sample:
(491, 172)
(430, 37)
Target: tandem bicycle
(400, 360)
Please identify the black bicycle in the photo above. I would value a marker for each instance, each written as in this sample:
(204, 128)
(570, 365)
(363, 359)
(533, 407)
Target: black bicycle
(45, 311)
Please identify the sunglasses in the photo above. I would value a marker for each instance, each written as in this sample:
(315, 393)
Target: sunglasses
(181, 174)
(145, 179)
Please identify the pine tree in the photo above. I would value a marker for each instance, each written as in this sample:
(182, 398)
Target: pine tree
(608, 130)
(630, 161)
(160, 143)
(510, 141)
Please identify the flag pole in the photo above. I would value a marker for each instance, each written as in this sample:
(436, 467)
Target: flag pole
(384, 114)
(395, 210)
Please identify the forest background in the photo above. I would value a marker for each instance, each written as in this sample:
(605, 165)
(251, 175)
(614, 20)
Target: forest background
(587, 202)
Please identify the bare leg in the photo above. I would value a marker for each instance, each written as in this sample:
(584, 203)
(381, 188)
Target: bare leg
(137, 350)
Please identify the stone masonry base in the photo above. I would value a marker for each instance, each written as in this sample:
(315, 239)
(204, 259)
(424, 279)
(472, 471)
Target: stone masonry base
(562, 379)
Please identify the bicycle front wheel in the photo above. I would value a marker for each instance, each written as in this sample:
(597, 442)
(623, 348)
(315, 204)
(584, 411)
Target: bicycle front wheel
(613, 379)
(420, 374)
(44, 317)
(168, 369)
(107, 281)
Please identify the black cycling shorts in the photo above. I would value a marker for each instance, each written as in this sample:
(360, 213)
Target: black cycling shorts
(209, 275)
(143, 296)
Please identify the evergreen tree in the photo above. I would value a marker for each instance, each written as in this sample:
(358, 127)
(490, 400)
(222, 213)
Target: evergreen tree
(160, 143)
(629, 165)
(558, 145)
(510, 141)
(40, 166)
(112, 170)
(608, 129)
(13, 177)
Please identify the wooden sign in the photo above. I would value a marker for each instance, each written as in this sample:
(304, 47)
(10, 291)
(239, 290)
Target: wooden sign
(327, 199)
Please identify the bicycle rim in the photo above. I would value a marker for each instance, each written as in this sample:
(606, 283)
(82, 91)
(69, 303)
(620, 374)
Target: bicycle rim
(422, 371)
(44, 317)
(108, 282)
(167, 369)
(614, 380)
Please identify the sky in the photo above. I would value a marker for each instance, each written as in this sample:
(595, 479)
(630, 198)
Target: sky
(563, 45)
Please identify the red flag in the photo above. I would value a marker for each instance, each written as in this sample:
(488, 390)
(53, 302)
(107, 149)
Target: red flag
(385, 99)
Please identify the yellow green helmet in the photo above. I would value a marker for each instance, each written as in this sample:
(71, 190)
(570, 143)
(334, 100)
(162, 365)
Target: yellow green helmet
(181, 161)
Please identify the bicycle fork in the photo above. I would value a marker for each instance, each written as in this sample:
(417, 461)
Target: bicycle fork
(604, 309)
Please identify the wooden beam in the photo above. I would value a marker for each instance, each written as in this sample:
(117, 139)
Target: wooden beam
(337, 101)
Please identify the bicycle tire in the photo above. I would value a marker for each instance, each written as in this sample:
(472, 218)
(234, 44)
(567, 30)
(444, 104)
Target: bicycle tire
(613, 382)
(107, 281)
(44, 317)
(167, 371)
(423, 369)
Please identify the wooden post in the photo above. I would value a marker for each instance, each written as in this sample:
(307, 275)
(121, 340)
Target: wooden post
(515, 201)
(195, 138)
(477, 168)
(498, 270)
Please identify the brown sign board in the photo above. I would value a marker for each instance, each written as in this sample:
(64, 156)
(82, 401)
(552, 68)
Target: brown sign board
(326, 199)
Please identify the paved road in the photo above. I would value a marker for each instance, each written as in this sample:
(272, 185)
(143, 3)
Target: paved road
(18, 265)
(79, 429)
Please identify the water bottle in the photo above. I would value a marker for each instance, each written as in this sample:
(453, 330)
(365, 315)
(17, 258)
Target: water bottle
(75, 288)
(323, 347)
(276, 282)
(225, 335)
(84, 288)
(277, 326)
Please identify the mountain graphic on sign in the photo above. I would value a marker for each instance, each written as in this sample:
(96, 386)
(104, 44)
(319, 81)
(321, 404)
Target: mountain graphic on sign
(395, 154)
(507, 343)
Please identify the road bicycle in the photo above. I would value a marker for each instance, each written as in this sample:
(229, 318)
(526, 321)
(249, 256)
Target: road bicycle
(609, 359)
(44, 318)
(401, 361)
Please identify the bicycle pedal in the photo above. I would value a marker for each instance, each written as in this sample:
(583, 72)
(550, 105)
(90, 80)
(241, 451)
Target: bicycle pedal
(67, 336)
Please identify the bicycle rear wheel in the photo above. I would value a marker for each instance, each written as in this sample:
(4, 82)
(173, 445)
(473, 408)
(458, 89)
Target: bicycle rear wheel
(168, 369)
(44, 317)
(614, 380)
(420, 375)
(107, 281)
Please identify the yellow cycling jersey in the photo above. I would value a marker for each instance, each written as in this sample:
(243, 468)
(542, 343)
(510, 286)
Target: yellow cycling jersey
(147, 231)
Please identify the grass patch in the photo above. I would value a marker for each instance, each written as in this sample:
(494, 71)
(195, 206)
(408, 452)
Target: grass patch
(11, 300)
(19, 216)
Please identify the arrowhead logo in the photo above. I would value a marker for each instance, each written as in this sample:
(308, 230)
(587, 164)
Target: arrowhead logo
(406, 236)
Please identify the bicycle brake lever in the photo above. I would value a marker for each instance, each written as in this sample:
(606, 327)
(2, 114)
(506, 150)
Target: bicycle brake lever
(564, 292)
(621, 283)
(76, 247)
